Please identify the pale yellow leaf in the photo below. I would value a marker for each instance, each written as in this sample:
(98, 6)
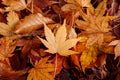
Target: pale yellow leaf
(51, 49)
(72, 33)
(68, 44)
(50, 36)
(60, 44)
(61, 34)
(4, 29)
(115, 42)
(12, 19)
(7, 29)
(117, 50)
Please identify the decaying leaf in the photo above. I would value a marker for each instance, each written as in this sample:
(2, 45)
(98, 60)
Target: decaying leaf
(58, 43)
(7, 29)
(95, 24)
(7, 72)
(42, 70)
(31, 23)
(88, 57)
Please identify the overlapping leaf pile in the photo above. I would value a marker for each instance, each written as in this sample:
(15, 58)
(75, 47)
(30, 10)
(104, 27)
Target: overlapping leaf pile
(59, 40)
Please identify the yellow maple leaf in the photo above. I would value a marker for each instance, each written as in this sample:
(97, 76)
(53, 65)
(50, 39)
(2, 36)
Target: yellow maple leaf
(88, 57)
(95, 24)
(58, 43)
(42, 70)
(7, 29)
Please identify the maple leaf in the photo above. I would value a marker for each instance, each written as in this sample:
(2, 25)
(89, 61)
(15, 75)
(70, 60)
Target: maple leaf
(7, 29)
(95, 24)
(58, 43)
(6, 48)
(16, 5)
(88, 57)
(116, 43)
(31, 23)
(75, 4)
(42, 70)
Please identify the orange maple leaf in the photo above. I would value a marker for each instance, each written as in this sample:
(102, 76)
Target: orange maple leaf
(42, 70)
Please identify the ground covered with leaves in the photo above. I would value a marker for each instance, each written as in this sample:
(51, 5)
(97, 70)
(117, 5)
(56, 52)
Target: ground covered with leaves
(59, 39)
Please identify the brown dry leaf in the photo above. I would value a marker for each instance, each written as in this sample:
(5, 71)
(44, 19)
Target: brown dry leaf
(95, 24)
(42, 70)
(58, 43)
(116, 43)
(88, 57)
(7, 29)
(11, 74)
(101, 60)
(75, 60)
(7, 72)
(16, 5)
(59, 62)
(31, 23)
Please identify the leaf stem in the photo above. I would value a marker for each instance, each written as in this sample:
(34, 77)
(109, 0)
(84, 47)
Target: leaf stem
(55, 65)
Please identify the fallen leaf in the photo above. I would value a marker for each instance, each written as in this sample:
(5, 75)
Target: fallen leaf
(42, 70)
(7, 47)
(116, 43)
(7, 72)
(31, 23)
(95, 24)
(101, 60)
(16, 5)
(58, 43)
(72, 33)
(88, 57)
(7, 29)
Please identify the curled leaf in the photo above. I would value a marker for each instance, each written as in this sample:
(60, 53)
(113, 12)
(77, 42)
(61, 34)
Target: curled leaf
(31, 23)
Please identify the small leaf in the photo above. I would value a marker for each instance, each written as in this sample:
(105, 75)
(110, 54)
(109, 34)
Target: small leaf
(115, 42)
(117, 50)
(7, 29)
(42, 70)
(88, 57)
